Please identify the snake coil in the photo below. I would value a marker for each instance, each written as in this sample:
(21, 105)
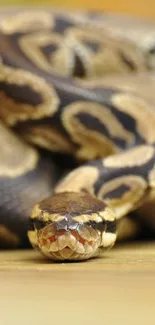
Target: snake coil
(79, 84)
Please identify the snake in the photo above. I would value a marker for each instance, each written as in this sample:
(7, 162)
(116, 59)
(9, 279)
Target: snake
(77, 130)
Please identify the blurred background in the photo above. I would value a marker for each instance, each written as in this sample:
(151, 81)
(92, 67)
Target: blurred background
(136, 7)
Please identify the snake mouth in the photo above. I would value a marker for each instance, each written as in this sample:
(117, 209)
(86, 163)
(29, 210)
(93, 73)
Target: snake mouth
(80, 243)
(71, 226)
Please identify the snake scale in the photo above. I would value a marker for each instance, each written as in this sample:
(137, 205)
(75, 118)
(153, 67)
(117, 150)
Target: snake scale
(79, 86)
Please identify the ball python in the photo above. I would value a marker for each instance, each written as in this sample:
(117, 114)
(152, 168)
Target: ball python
(80, 85)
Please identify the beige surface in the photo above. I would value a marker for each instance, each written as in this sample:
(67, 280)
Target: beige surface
(118, 288)
(138, 8)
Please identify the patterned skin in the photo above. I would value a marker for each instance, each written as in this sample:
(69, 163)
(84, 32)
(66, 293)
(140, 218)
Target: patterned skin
(74, 83)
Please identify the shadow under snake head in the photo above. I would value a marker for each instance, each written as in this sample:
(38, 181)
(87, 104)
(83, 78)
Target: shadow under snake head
(72, 226)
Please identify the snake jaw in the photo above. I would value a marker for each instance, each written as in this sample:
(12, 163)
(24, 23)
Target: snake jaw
(72, 226)
(68, 244)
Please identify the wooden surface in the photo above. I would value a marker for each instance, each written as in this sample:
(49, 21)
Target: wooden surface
(118, 288)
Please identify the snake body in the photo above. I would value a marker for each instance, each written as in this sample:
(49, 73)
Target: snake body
(81, 84)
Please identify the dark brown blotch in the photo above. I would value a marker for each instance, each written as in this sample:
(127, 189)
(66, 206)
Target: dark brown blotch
(72, 203)
(127, 61)
(79, 69)
(49, 49)
(23, 94)
(117, 192)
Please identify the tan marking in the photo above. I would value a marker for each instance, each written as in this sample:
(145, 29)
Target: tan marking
(27, 21)
(131, 158)
(92, 143)
(8, 238)
(35, 212)
(17, 158)
(127, 229)
(130, 199)
(140, 32)
(45, 216)
(142, 84)
(48, 137)
(33, 238)
(12, 111)
(83, 218)
(54, 217)
(108, 215)
(61, 61)
(152, 178)
(81, 178)
(108, 239)
(142, 111)
(108, 53)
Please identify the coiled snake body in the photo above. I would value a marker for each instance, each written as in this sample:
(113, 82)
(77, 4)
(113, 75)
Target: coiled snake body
(81, 84)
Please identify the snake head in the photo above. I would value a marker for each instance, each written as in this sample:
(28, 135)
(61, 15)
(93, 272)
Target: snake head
(72, 226)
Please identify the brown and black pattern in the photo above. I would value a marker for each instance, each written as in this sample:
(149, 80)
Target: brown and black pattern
(77, 83)
(121, 181)
(78, 44)
(25, 178)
